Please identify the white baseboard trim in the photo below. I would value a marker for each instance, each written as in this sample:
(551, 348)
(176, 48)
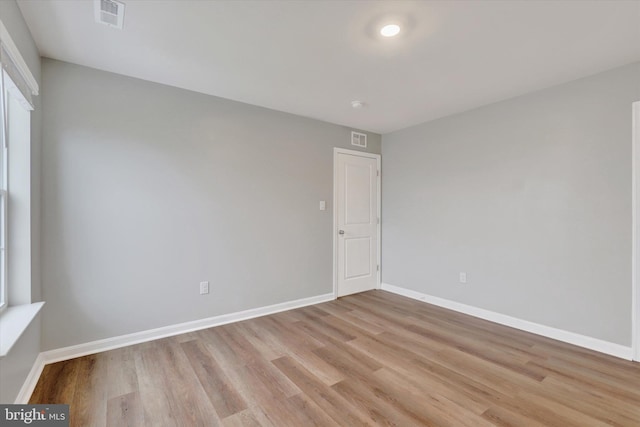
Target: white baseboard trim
(524, 325)
(30, 382)
(92, 347)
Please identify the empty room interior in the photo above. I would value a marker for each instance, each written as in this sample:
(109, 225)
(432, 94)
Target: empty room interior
(305, 212)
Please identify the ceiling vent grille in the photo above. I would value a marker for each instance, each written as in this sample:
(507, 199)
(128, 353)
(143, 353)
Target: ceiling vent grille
(109, 12)
(359, 139)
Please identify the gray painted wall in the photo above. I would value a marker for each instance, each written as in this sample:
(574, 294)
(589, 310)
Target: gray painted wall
(16, 366)
(149, 189)
(531, 197)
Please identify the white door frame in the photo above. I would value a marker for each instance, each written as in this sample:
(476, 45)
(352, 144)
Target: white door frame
(337, 151)
(635, 230)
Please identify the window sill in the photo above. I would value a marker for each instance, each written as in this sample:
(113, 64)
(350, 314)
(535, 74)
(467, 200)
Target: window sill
(13, 322)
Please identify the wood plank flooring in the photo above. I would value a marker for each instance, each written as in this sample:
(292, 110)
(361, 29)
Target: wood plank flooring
(369, 359)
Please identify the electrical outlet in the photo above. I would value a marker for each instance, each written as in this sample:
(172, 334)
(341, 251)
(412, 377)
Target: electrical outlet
(463, 277)
(204, 288)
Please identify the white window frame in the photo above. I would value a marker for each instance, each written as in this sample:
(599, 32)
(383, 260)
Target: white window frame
(17, 307)
(4, 196)
(22, 88)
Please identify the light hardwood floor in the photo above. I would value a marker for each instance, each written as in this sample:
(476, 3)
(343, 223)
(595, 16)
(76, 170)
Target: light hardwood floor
(369, 359)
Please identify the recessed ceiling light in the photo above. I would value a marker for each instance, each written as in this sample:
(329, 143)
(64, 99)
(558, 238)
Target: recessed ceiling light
(357, 104)
(390, 30)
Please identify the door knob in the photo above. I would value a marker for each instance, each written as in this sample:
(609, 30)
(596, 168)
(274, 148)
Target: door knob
(341, 232)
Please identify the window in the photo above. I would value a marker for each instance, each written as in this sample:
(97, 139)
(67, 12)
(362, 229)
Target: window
(3, 197)
(15, 196)
(17, 86)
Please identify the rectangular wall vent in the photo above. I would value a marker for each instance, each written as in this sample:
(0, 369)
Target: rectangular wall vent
(359, 139)
(109, 12)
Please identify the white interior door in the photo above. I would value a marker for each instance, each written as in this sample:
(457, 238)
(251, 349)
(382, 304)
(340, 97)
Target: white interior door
(357, 221)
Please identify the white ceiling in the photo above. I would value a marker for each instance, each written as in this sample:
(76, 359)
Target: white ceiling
(313, 58)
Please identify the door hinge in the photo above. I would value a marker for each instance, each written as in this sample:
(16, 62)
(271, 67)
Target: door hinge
(377, 268)
(378, 220)
(377, 173)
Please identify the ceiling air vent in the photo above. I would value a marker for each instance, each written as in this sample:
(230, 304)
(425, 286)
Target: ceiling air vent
(359, 139)
(109, 12)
